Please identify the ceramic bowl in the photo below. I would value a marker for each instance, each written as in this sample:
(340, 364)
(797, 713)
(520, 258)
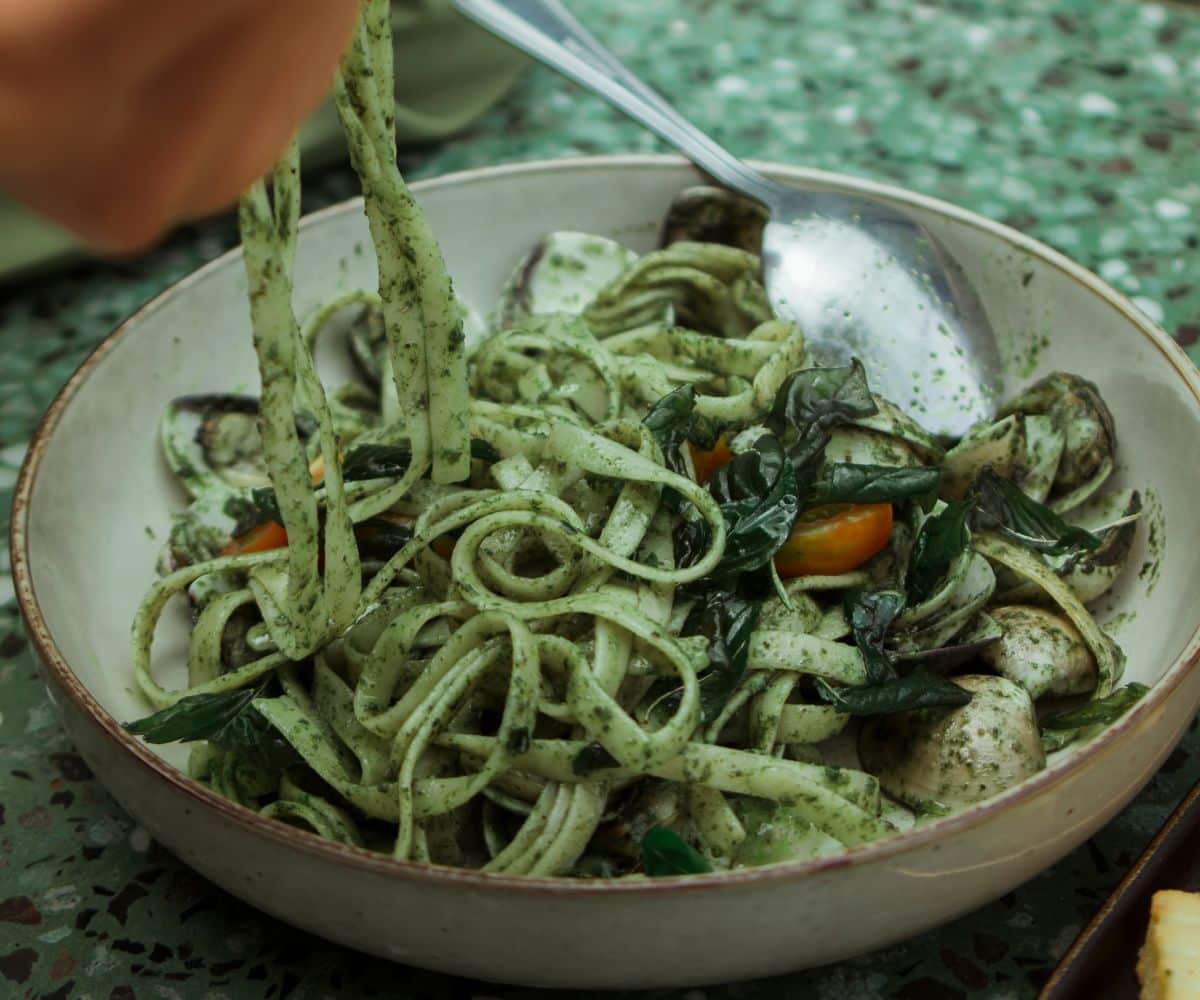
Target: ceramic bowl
(94, 500)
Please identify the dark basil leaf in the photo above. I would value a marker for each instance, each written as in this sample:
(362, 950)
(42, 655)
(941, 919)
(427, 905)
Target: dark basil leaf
(674, 422)
(592, 757)
(379, 538)
(664, 852)
(870, 614)
(1100, 712)
(847, 482)
(727, 622)
(758, 498)
(484, 450)
(999, 505)
(691, 537)
(901, 694)
(376, 461)
(941, 540)
(823, 397)
(248, 513)
(228, 720)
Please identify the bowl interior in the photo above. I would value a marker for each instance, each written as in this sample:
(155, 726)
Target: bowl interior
(101, 500)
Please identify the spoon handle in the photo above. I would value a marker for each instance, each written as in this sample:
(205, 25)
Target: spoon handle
(546, 30)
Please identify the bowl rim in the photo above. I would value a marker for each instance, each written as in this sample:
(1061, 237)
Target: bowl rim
(251, 823)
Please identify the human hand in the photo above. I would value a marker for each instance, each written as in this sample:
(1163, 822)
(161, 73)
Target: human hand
(119, 118)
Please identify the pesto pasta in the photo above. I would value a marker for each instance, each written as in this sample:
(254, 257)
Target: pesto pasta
(623, 583)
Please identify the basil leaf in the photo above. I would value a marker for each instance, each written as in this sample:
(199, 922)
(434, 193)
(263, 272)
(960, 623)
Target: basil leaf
(664, 852)
(824, 397)
(1001, 506)
(228, 720)
(941, 540)
(809, 403)
(1101, 712)
(249, 513)
(848, 482)
(674, 422)
(727, 622)
(758, 498)
(690, 537)
(484, 450)
(870, 614)
(592, 757)
(901, 694)
(380, 538)
(376, 461)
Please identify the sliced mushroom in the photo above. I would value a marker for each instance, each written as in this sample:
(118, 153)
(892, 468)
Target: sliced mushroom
(971, 591)
(889, 419)
(869, 447)
(1001, 445)
(562, 273)
(1083, 418)
(980, 632)
(939, 759)
(1089, 574)
(211, 442)
(1044, 448)
(1041, 651)
(704, 214)
(775, 833)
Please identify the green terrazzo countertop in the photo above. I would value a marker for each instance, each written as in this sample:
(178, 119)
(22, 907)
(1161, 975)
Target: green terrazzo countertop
(1073, 120)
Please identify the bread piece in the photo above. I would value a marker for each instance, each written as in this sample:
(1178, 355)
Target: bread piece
(1169, 964)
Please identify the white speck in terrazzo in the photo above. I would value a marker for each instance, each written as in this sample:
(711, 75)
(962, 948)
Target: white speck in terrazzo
(1113, 240)
(844, 53)
(845, 114)
(1169, 208)
(40, 718)
(1153, 14)
(102, 960)
(977, 35)
(55, 935)
(1022, 919)
(1114, 269)
(1163, 64)
(1097, 104)
(1018, 189)
(733, 85)
(722, 51)
(139, 840)
(678, 28)
(60, 899)
(1149, 307)
(1031, 116)
(783, 65)
(107, 830)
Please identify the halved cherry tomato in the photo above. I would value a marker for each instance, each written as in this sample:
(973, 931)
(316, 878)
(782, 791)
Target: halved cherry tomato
(707, 462)
(270, 534)
(834, 539)
(261, 538)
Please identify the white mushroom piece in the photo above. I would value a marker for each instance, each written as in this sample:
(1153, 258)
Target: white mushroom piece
(1042, 651)
(938, 760)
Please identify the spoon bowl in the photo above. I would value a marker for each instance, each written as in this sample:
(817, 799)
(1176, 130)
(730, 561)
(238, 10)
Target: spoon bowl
(860, 277)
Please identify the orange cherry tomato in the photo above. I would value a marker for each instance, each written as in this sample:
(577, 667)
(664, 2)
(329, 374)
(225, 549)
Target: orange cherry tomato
(707, 462)
(262, 538)
(834, 539)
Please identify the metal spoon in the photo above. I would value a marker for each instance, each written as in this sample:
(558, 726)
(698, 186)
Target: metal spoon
(858, 275)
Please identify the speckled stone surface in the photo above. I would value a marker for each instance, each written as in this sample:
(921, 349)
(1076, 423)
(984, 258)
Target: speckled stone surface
(1075, 121)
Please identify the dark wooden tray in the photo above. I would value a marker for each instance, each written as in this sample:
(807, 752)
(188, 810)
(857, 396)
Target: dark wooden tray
(1102, 960)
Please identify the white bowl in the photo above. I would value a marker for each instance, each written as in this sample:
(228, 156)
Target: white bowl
(93, 503)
